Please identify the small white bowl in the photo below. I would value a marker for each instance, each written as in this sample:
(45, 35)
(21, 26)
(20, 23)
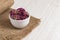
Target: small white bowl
(19, 23)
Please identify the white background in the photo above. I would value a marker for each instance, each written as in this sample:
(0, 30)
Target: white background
(49, 13)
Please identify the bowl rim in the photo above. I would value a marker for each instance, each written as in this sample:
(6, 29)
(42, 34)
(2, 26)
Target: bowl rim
(19, 20)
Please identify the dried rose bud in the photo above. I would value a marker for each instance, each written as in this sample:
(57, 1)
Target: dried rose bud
(19, 14)
(20, 9)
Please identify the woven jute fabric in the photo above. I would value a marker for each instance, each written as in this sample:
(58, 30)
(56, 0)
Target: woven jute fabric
(8, 32)
(5, 4)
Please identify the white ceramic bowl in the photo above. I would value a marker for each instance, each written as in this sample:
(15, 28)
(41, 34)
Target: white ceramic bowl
(19, 23)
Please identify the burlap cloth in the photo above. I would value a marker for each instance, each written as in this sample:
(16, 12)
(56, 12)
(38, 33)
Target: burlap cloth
(5, 4)
(8, 32)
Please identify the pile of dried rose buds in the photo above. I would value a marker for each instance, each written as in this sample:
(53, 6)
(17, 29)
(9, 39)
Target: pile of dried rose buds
(19, 14)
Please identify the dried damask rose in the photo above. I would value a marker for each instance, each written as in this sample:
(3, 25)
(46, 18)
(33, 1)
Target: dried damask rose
(20, 9)
(19, 14)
